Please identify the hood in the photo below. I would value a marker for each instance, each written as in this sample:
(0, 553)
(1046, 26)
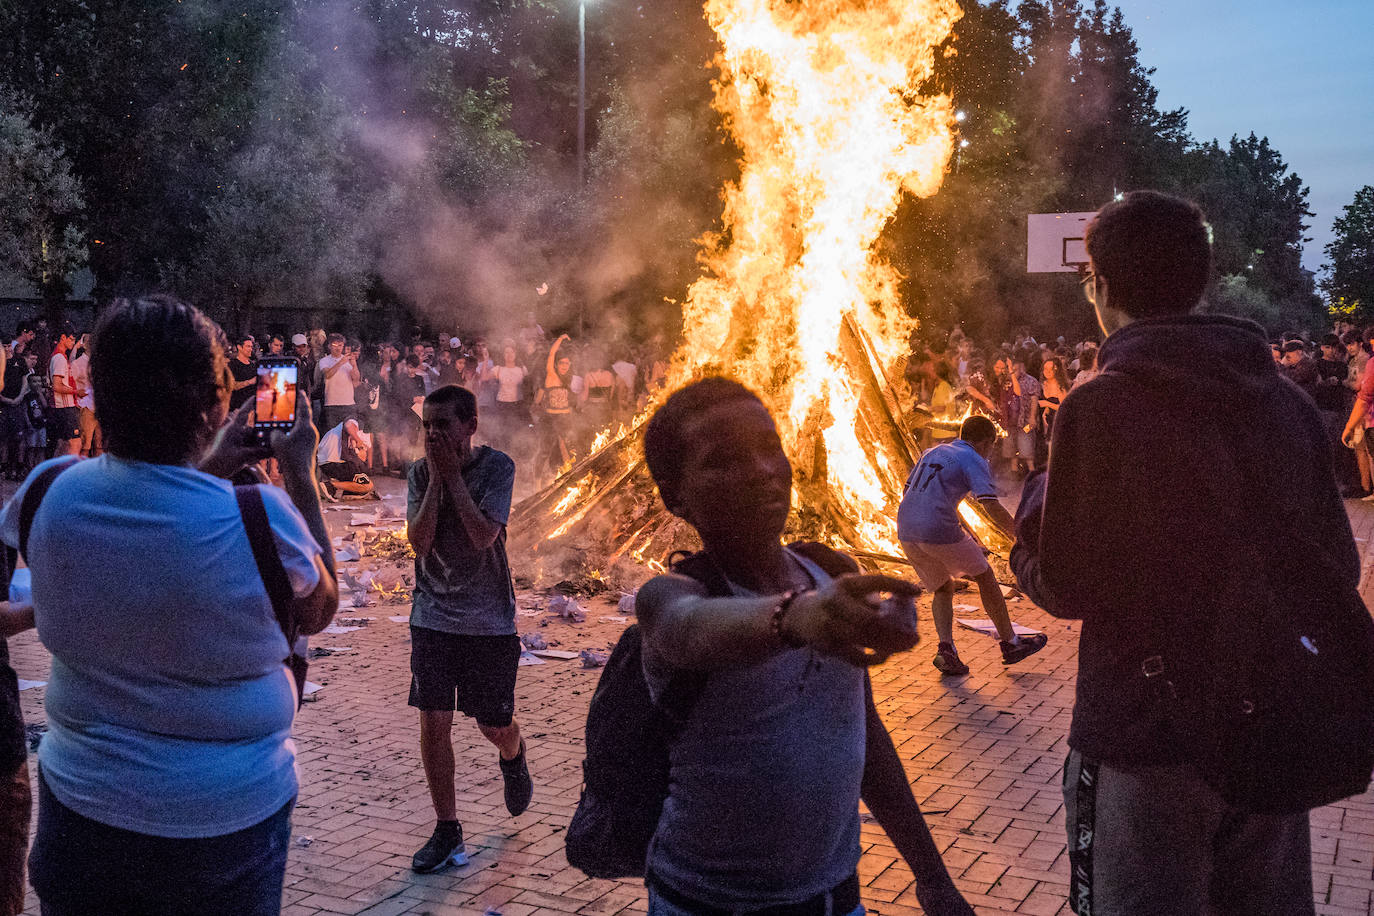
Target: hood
(1213, 356)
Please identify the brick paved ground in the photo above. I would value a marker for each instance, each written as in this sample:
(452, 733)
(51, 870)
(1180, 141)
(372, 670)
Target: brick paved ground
(983, 755)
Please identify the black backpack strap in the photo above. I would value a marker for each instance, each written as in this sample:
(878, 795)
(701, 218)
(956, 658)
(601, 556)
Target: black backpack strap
(265, 554)
(33, 496)
(831, 561)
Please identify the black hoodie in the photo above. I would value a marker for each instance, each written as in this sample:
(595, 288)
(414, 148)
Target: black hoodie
(1170, 474)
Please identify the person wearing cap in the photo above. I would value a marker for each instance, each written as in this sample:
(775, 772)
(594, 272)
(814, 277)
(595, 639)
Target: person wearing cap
(64, 423)
(1300, 368)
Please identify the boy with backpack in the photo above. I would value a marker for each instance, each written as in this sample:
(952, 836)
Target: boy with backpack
(1190, 520)
(755, 654)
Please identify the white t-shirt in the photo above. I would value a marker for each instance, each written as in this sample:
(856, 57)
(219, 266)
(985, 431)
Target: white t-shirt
(626, 372)
(508, 382)
(331, 443)
(59, 368)
(81, 378)
(338, 389)
(169, 709)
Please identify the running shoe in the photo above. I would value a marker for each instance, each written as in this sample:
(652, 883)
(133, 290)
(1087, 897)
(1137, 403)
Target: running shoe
(444, 848)
(947, 661)
(519, 786)
(1025, 647)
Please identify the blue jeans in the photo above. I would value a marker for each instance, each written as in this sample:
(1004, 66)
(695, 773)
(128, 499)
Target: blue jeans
(79, 866)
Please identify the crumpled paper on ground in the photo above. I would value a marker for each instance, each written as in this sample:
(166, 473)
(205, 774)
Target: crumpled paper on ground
(567, 608)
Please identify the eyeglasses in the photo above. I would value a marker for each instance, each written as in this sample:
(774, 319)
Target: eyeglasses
(1089, 284)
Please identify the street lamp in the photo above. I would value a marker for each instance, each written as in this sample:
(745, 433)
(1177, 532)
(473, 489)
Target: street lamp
(581, 92)
(959, 118)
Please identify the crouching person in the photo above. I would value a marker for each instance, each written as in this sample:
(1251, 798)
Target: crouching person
(782, 739)
(344, 455)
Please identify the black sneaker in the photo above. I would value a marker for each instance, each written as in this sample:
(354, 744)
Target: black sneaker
(947, 661)
(1024, 647)
(519, 786)
(445, 848)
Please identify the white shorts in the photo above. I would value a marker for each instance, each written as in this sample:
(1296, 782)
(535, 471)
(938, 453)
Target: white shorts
(936, 564)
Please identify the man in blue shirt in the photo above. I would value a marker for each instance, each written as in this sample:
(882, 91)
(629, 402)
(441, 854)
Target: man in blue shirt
(939, 548)
(464, 648)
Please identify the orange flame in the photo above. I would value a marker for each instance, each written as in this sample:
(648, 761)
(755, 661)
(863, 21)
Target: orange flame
(822, 98)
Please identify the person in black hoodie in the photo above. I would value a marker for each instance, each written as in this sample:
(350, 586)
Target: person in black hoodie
(1169, 477)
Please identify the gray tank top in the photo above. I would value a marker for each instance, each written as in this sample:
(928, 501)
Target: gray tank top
(763, 802)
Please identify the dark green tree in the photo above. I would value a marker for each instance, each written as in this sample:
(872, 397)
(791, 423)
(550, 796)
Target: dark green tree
(1349, 268)
(41, 205)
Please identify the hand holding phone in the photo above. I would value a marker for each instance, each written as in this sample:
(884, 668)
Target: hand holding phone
(275, 398)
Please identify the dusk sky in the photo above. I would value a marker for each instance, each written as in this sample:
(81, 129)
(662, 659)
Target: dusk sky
(1300, 73)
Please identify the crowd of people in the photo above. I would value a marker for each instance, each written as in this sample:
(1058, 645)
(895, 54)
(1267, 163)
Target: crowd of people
(1021, 385)
(1225, 685)
(543, 400)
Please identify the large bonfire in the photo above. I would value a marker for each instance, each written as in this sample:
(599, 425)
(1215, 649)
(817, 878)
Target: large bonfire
(822, 99)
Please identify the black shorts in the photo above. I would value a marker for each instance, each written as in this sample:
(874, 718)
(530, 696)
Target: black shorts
(474, 675)
(342, 470)
(64, 423)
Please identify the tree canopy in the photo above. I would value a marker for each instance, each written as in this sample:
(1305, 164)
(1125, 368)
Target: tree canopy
(348, 154)
(1349, 280)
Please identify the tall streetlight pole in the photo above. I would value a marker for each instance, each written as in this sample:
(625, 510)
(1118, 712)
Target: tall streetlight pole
(581, 92)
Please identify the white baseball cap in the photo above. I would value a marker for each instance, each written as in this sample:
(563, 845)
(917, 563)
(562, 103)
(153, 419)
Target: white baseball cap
(298, 340)
(454, 343)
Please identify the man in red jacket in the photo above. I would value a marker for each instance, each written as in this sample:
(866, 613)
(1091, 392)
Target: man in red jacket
(1153, 534)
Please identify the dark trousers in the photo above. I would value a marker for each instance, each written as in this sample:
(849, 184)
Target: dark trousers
(79, 866)
(1158, 840)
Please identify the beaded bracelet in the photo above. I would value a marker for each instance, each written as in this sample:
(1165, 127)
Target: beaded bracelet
(775, 622)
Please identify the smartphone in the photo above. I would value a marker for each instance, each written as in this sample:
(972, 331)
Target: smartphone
(275, 399)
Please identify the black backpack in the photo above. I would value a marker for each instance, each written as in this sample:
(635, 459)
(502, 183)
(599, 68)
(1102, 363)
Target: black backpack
(625, 774)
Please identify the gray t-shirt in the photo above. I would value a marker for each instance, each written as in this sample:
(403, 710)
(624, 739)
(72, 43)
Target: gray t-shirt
(460, 589)
(763, 799)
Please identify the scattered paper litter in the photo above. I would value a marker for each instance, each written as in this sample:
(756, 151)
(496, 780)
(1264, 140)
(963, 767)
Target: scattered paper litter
(302, 841)
(987, 629)
(29, 685)
(325, 651)
(561, 654)
(335, 630)
(359, 520)
(626, 604)
(527, 659)
(592, 659)
(348, 554)
(400, 619)
(311, 688)
(567, 608)
(534, 641)
(610, 619)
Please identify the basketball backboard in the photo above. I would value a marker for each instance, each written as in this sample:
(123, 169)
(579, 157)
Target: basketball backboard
(1054, 242)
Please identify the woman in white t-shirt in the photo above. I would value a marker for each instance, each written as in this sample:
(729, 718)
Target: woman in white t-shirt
(167, 776)
(512, 412)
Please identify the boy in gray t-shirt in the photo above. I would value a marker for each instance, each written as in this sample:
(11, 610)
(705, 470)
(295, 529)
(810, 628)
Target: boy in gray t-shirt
(464, 648)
